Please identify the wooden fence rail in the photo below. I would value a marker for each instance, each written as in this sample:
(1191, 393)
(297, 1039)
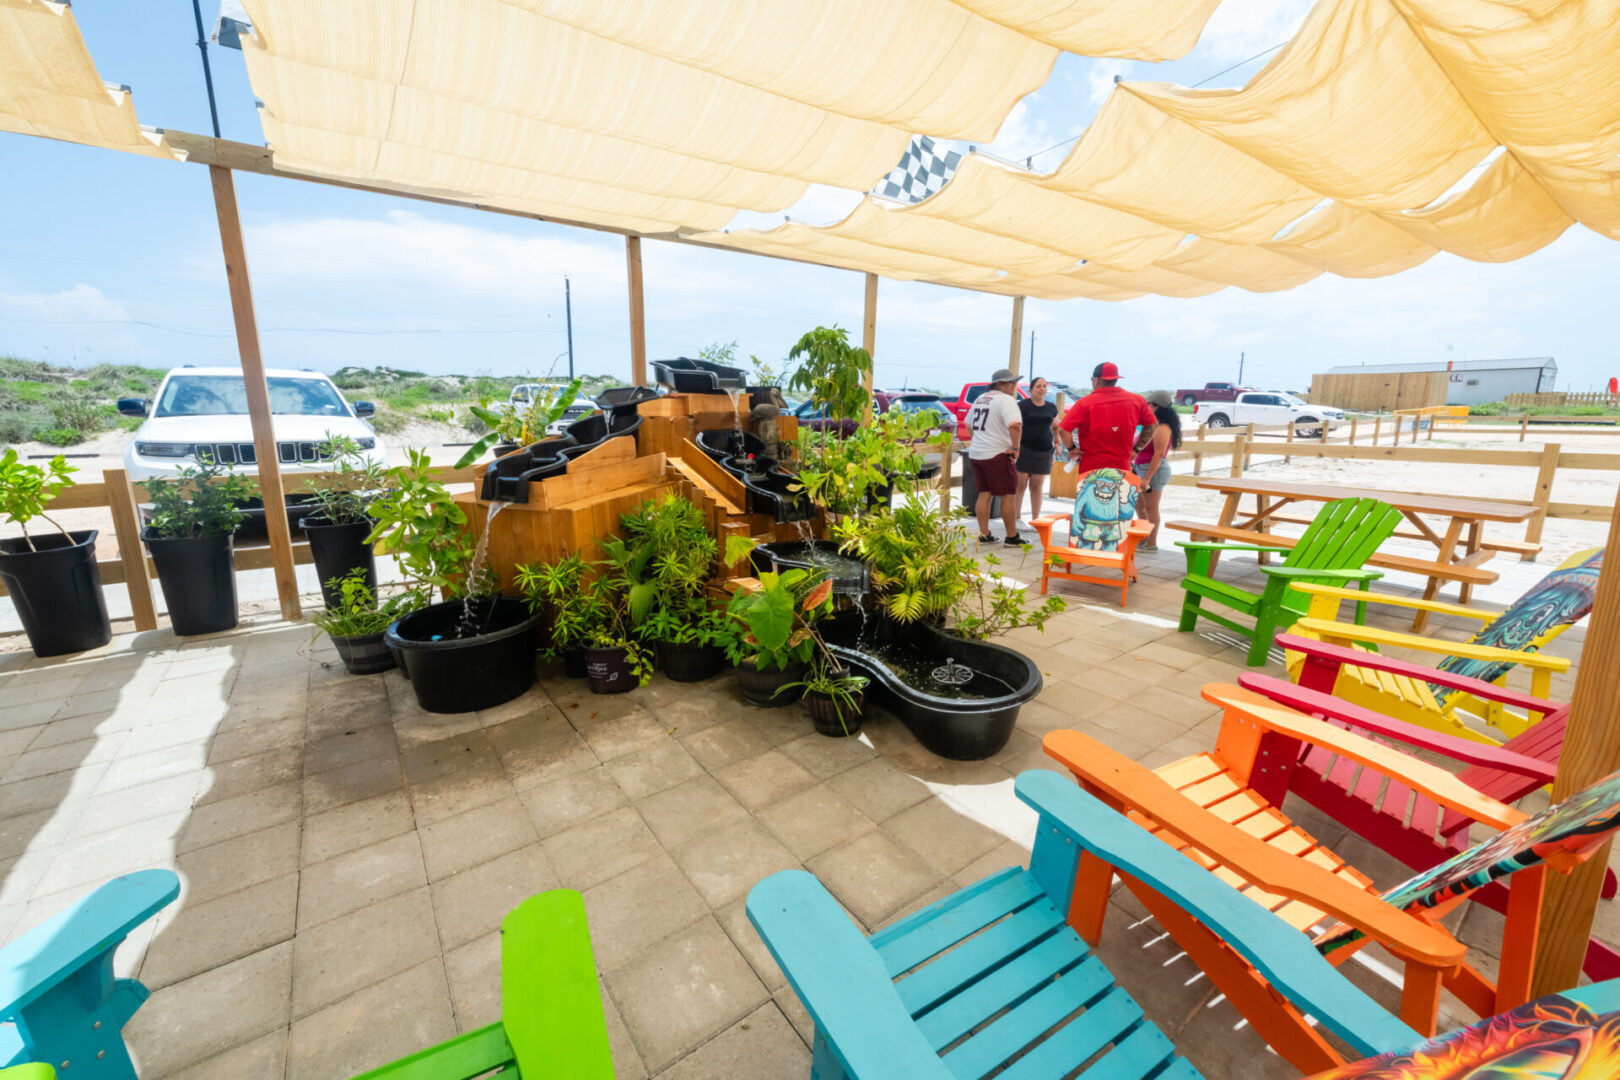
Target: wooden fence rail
(134, 568)
(1563, 397)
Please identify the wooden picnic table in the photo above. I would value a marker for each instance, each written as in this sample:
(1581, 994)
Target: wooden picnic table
(1460, 545)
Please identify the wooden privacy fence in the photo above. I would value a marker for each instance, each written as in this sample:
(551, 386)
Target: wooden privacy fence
(134, 569)
(1563, 397)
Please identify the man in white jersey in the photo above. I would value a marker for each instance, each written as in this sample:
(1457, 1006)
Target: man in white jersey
(997, 428)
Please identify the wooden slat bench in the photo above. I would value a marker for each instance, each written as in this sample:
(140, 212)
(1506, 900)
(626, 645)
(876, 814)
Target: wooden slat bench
(1506, 547)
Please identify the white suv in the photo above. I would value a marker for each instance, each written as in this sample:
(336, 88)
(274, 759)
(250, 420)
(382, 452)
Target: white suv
(206, 408)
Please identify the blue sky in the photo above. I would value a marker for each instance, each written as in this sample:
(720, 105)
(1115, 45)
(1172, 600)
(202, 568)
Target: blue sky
(109, 257)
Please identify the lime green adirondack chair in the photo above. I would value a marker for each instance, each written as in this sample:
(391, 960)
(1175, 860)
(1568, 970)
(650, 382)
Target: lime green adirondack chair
(551, 1008)
(1333, 551)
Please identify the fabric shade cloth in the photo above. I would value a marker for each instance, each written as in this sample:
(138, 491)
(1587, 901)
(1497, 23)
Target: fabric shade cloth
(49, 85)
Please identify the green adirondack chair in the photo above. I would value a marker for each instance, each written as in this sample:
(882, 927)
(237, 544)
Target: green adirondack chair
(551, 1008)
(1333, 551)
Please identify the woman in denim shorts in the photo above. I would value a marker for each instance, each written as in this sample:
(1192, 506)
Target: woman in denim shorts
(1152, 464)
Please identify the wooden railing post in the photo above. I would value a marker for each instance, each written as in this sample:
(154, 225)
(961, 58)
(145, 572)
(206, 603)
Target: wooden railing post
(1240, 453)
(1416, 417)
(1248, 441)
(1591, 752)
(869, 341)
(127, 528)
(1541, 497)
(638, 312)
(1198, 459)
(1353, 422)
(1524, 426)
(1434, 418)
(1288, 458)
(1327, 426)
(1378, 422)
(947, 458)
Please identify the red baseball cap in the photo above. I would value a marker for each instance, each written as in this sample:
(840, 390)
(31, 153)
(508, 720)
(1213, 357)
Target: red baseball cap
(1105, 371)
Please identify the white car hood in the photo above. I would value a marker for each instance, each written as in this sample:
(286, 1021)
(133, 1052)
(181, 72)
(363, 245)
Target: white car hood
(236, 428)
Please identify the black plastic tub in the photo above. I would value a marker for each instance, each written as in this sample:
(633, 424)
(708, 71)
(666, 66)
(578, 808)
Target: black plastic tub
(689, 661)
(850, 576)
(687, 376)
(367, 654)
(771, 491)
(56, 589)
(600, 427)
(623, 397)
(759, 687)
(338, 550)
(723, 443)
(454, 674)
(508, 476)
(198, 577)
(965, 721)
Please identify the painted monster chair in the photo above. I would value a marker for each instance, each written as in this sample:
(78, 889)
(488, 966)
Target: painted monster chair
(1222, 810)
(60, 1002)
(1333, 551)
(1103, 532)
(1503, 642)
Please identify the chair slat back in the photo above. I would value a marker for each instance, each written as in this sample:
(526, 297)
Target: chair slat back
(551, 1004)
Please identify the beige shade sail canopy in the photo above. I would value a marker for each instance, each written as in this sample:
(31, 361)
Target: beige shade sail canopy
(49, 85)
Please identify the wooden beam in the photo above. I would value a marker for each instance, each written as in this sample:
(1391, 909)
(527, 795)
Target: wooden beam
(1015, 350)
(131, 553)
(258, 390)
(638, 313)
(1591, 752)
(869, 337)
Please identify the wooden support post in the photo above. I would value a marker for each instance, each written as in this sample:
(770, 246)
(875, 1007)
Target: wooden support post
(257, 391)
(1353, 430)
(127, 527)
(1198, 459)
(1524, 426)
(638, 313)
(1433, 419)
(869, 337)
(1415, 419)
(1248, 443)
(1591, 752)
(1541, 497)
(1378, 422)
(1287, 458)
(1240, 453)
(1015, 351)
(1327, 427)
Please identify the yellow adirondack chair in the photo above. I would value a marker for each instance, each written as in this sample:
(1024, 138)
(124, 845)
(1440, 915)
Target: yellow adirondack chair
(1504, 641)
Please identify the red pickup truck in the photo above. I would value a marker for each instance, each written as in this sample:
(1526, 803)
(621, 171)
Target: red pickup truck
(970, 393)
(1214, 391)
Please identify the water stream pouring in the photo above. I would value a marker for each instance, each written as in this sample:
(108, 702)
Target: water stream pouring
(464, 628)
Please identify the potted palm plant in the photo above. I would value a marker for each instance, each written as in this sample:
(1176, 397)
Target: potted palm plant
(358, 622)
(339, 525)
(775, 642)
(683, 626)
(834, 696)
(53, 580)
(589, 604)
(194, 517)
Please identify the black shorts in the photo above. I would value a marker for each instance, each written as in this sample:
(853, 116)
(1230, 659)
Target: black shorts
(1035, 462)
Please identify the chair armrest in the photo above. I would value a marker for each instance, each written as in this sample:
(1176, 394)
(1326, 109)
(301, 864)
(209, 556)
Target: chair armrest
(1466, 751)
(1283, 955)
(551, 1002)
(74, 938)
(1199, 545)
(1433, 606)
(1337, 631)
(1048, 519)
(471, 1054)
(1138, 788)
(1415, 773)
(1307, 572)
(840, 979)
(1479, 688)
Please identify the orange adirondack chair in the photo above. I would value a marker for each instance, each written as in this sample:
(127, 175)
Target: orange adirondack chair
(1114, 493)
(1221, 809)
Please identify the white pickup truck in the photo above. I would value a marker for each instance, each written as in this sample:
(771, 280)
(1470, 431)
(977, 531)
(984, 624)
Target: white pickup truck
(1266, 408)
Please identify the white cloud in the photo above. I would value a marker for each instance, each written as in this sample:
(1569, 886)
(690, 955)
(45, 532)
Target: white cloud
(1022, 133)
(1100, 79)
(82, 302)
(1241, 28)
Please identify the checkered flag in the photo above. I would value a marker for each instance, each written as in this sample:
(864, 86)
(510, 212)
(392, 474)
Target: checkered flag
(922, 171)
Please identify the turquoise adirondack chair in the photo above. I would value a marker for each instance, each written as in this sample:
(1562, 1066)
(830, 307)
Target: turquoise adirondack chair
(551, 1023)
(59, 998)
(1333, 551)
(999, 964)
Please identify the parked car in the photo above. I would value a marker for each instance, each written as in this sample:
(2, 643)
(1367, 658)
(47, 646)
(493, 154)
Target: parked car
(970, 393)
(1265, 409)
(523, 394)
(203, 411)
(1215, 391)
(884, 400)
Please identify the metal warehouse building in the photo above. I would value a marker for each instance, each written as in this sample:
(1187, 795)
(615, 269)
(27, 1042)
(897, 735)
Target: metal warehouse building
(1411, 386)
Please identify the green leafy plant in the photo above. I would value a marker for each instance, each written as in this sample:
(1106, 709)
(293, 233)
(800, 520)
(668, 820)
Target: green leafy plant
(201, 500)
(420, 525)
(719, 352)
(990, 606)
(844, 475)
(359, 612)
(766, 374)
(341, 494)
(679, 555)
(521, 424)
(25, 490)
(589, 603)
(831, 372)
(777, 614)
(837, 683)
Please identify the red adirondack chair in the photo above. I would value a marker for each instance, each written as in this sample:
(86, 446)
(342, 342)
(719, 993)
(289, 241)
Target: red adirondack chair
(1410, 826)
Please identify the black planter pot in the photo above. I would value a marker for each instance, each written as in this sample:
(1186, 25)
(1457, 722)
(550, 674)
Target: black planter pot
(338, 550)
(823, 712)
(198, 578)
(759, 687)
(574, 664)
(364, 655)
(57, 591)
(451, 674)
(690, 662)
(608, 670)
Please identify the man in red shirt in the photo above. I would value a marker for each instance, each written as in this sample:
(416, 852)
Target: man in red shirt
(1104, 422)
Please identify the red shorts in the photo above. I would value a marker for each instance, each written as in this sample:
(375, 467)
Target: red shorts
(997, 475)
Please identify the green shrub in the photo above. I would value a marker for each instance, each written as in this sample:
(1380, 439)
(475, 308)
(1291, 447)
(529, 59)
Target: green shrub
(16, 427)
(79, 415)
(388, 423)
(1489, 408)
(59, 436)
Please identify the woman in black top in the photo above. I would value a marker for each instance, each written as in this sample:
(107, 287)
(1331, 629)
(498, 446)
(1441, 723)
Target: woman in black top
(1035, 449)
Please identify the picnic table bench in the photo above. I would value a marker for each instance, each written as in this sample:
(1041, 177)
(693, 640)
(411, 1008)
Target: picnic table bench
(1460, 551)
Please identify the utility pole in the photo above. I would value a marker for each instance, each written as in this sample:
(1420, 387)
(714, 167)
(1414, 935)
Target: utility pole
(1240, 369)
(568, 309)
